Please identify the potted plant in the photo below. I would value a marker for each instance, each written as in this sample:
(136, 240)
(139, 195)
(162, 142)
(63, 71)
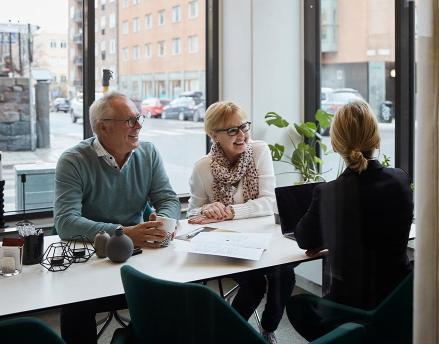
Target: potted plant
(304, 157)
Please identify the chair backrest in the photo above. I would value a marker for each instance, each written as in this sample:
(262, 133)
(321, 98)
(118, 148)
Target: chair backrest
(349, 333)
(393, 318)
(171, 312)
(27, 330)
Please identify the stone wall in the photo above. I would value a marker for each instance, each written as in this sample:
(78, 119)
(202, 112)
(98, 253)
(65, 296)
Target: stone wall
(17, 118)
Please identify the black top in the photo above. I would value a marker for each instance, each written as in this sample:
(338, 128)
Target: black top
(364, 221)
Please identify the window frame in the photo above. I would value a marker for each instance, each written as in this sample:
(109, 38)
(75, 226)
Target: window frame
(405, 76)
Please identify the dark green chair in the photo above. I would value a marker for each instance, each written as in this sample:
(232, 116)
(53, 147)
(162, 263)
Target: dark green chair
(390, 322)
(27, 330)
(349, 333)
(171, 312)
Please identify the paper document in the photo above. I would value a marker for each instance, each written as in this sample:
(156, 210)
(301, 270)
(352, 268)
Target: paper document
(236, 245)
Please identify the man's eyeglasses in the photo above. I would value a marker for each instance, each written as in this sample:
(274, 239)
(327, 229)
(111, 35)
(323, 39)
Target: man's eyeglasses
(132, 121)
(233, 131)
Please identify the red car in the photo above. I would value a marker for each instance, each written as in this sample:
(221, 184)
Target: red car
(153, 107)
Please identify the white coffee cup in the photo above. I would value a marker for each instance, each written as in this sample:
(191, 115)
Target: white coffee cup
(168, 226)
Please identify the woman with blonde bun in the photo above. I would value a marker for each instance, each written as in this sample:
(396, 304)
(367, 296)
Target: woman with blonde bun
(363, 218)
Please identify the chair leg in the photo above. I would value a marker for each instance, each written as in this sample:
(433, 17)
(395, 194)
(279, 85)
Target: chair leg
(106, 321)
(230, 293)
(123, 321)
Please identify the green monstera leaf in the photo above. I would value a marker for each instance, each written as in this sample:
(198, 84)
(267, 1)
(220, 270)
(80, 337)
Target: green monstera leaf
(277, 151)
(324, 118)
(272, 118)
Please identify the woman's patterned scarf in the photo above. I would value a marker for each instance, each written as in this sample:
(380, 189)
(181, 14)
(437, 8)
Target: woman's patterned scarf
(226, 177)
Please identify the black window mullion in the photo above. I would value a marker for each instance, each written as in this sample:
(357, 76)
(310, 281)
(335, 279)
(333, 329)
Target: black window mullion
(311, 32)
(212, 56)
(405, 85)
(88, 70)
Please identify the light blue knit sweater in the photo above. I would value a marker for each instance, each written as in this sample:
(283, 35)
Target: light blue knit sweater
(90, 195)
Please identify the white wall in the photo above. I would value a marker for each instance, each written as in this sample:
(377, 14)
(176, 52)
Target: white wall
(261, 66)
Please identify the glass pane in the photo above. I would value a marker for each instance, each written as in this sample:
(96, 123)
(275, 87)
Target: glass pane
(358, 62)
(159, 63)
(40, 73)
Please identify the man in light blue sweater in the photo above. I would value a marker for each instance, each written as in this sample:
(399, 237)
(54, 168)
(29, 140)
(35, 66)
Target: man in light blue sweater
(106, 182)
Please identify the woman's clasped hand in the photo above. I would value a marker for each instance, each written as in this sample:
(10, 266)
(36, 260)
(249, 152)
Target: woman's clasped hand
(213, 212)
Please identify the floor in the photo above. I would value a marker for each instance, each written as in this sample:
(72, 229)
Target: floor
(285, 333)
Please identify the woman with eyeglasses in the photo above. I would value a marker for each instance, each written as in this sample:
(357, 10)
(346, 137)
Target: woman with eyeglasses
(235, 181)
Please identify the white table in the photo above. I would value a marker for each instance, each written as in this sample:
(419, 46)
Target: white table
(37, 289)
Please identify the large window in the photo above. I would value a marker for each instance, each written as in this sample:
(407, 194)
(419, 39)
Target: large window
(44, 63)
(358, 62)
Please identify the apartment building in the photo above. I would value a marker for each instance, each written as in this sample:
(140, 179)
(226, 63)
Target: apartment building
(106, 36)
(50, 53)
(161, 47)
(75, 55)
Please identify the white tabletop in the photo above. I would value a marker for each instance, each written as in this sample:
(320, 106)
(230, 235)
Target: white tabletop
(36, 288)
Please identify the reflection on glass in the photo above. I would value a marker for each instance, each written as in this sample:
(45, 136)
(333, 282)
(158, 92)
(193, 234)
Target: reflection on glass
(358, 62)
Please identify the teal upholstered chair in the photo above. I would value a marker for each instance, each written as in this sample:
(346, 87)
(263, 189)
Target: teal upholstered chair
(171, 312)
(349, 333)
(27, 330)
(390, 322)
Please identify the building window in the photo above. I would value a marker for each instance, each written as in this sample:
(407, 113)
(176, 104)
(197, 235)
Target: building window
(176, 46)
(193, 9)
(124, 3)
(161, 48)
(136, 52)
(176, 14)
(52, 44)
(96, 25)
(72, 12)
(103, 45)
(103, 20)
(125, 54)
(148, 50)
(193, 44)
(161, 17)
(148, 21)
(63, 44)
(112, 20)
(136, 2)
(125, 27)
(113, 46)
(136, 24)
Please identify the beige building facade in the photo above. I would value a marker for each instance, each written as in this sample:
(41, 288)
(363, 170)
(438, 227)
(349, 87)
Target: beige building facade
(358, 47)
(50, 53)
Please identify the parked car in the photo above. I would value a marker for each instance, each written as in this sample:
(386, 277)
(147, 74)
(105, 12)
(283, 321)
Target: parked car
(336, 98)
(339, 97)
(76, 106)
(61, 104)
(153, 107)
(185, 108)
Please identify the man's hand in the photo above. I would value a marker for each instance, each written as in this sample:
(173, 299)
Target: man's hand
(146, 234)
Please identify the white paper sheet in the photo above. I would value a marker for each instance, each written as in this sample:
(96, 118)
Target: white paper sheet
(235, 245)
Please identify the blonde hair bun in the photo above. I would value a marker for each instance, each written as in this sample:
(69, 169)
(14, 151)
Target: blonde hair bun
(355, 125)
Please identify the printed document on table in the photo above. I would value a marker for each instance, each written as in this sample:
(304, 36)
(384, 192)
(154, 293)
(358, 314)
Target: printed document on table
(236, 245)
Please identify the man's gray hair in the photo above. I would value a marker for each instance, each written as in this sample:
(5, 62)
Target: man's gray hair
(101, 108)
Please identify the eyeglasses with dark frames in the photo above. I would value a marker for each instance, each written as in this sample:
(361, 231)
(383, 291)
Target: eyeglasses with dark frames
(233, 131)
(132, 121)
